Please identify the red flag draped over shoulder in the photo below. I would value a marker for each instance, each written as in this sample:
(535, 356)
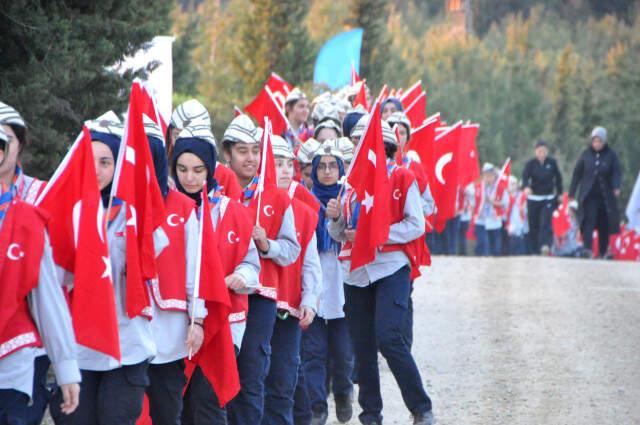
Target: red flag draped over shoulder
(369, 179)
(270, 103)
(217, 357)
(135, 184)
(78, 240)
(444, 175)
(503, 179)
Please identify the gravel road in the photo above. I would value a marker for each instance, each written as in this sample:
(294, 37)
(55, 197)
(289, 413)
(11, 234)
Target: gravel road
(526, 340)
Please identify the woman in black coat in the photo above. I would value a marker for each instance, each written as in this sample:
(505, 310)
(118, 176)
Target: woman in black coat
(598, 177)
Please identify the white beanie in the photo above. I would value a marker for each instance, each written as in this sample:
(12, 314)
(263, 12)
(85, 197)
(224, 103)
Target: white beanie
(107, 123)
(307, 150)
(9, 116)
(190, 112)
(241, 130)
(281, 147)
(600, 132)
(151, 128)
(330, 147)
(388, 135)
(198, 131)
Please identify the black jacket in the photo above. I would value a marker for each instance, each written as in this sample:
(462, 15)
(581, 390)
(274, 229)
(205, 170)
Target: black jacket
(542, 178)
(598, 172)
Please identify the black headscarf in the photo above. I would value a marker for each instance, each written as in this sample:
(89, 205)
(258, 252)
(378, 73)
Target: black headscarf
(203, 150)
(113, 143)
(159, 163)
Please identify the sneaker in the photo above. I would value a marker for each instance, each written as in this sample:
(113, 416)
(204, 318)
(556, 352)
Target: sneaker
(319, 416)
(344, 407)
(545, 250)
(425, 418)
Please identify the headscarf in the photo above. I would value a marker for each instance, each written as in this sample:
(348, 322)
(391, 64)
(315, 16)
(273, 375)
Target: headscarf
(203, 150)
(350, 121)
(394, 101)
(325, 193)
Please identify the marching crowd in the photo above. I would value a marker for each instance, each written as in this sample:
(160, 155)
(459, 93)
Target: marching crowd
(304, 323)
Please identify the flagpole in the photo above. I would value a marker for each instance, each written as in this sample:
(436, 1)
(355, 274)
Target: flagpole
(196, 287)
(263, 166)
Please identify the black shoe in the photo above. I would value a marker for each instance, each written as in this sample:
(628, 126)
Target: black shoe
(344, 407)
(425, 418)
(319, 416)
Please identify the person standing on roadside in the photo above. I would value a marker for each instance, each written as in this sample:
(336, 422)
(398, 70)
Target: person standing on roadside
(542, 184)
(598, 175)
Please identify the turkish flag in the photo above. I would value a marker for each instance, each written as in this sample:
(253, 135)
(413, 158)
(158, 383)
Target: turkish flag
(469, 159)
(216, 357)
(361, 97)
(444, 174)
(417, 111)
(265, 105)
(422, 143)
(135, 184)
(626, 245)
(412, 93)
(369, 179)
(150, 109)
(279, 88)
(79, 243)
(503, 179)
(560, 220)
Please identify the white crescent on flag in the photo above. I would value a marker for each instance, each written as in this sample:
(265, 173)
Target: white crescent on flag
(442, 162)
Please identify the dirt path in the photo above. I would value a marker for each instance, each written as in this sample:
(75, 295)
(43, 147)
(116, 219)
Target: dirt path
(526, 341)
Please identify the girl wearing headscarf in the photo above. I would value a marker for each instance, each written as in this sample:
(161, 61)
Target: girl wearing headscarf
(113, 391)
(194, 162)
(34, 311)
(328, 338)
(172, 294)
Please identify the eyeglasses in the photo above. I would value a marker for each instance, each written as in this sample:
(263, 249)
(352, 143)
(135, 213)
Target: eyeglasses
(332, 166)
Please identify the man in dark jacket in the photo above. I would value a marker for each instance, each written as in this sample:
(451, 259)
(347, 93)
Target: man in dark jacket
(542, 183)
(598, 175)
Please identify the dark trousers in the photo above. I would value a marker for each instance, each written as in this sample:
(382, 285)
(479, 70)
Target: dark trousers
(517, 245)
(280, 385)
(201, 405)
(324, 340)
(450, 236)
(488, 242)
(253, 363)
(166, 383)
(595, 218)
(13, 407)
(111, 397)
(408, 331)
(376, 319)
(463, 228)
(41, 391)
(301, 406)
(540, 230)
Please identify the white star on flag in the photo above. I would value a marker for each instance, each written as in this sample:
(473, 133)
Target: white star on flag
(107, 268)
(368, 201)
(371, 156)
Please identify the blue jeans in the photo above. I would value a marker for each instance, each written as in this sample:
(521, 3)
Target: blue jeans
(283, 373)
(450, 236)
(253, 363)
(376, 315)
(488, 242)
(324, 340)
(301, 406)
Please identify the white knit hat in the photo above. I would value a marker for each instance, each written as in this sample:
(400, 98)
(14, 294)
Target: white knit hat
(241, 130)
(327, 109)
(281, 147)
(295, 95)
(358, 129)
(399, 117)
(198, 131)
(307, 150)
(151, 128)
(388, 135)
(488, 167)
(190, 112)
(9, 116)
(330, 147)
(107, 123)
(327, 123)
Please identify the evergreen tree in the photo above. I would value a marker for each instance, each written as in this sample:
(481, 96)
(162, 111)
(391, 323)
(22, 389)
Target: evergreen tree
(54, 59)
(370, 15)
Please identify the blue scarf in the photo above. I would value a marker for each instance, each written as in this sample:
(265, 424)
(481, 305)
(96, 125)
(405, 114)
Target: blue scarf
(325, 193)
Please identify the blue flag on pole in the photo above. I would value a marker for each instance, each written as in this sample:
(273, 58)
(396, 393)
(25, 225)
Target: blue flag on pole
(333, 64)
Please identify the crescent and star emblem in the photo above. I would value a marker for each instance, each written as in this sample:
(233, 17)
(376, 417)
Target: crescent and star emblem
(268, 210)
(232, 237)
(442, 162)
(174, 220)
(14, 252)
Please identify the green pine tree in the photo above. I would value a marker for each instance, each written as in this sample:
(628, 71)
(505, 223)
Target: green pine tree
(54, 59)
